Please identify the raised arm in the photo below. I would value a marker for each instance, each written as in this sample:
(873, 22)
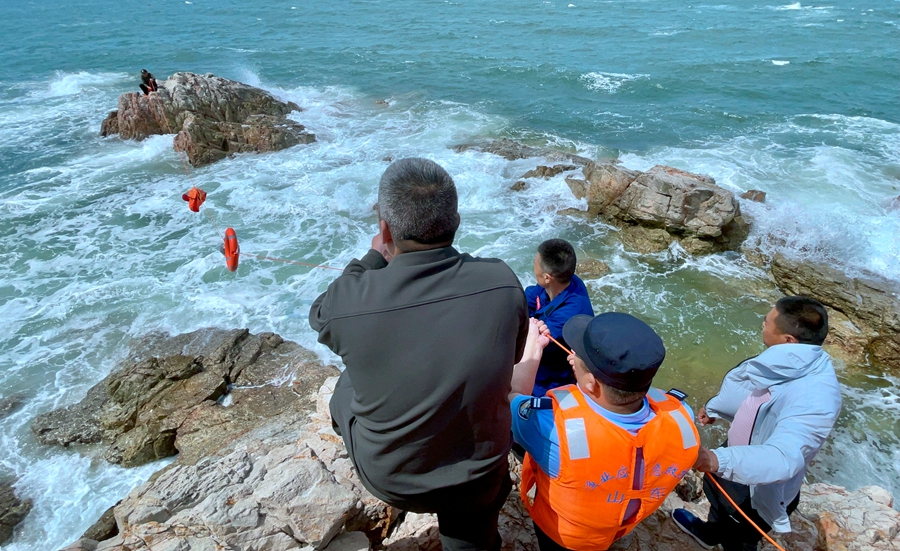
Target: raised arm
(525, 371)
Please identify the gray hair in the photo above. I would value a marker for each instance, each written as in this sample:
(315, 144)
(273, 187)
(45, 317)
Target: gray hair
(417, 199)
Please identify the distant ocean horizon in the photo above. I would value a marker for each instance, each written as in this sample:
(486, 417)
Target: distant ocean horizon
(799, 100)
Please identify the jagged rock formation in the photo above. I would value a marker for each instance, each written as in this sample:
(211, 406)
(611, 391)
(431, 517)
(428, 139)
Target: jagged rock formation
(754, 195)
(12, 510)
(546, 172)
(662, 205)
(165, 403)
(864, 311)
(591, 268)
(287, 484)
(512, 150)
(290, 487)
(212, 116)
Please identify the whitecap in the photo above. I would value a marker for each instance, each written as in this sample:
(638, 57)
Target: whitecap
(780, 62)
(68, 84)
(608, 82)
(795, 6)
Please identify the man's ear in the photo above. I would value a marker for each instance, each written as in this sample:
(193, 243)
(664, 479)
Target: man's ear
(789, 339)
(591, 384)
(385, 232)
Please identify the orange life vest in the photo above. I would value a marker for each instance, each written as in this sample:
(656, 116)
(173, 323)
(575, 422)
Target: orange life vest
(194, 197)
(584, 507)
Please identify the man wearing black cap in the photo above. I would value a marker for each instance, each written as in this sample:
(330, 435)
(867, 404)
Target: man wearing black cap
(604, 453)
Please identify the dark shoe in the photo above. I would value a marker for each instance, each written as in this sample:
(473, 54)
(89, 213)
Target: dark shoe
(691, 525)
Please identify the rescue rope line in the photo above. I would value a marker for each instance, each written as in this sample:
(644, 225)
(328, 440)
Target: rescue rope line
(559, 344)
(272, 258)
(743, 514)
(712, 478)
(165, 118)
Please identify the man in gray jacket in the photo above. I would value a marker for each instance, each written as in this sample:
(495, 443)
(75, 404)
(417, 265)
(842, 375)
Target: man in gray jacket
(429, 338)
(782, 406)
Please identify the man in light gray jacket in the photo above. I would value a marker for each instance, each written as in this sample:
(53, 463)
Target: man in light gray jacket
(782, 406)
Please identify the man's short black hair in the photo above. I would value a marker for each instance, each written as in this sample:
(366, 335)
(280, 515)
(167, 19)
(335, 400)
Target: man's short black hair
(417, 199)
(558, 259)
(618, 397)
(803, 318)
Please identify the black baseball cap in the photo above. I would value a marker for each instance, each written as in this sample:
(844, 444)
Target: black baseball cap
(620, 350)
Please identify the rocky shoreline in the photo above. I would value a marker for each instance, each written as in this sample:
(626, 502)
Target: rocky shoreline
(258, 466)
(270, 474)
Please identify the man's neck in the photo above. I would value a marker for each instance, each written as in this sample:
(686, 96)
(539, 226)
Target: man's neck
(414, 246)
(627, 409)
(555, 288)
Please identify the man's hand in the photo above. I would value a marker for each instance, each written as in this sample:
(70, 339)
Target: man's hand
(707, 461)
(537, 339)
(379, 246)
(543, 337)
(703, 418)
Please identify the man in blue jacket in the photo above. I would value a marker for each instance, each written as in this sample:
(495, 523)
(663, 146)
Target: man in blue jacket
(558, 296)
(782, 406)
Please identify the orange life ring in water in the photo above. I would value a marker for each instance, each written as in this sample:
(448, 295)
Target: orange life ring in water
(194, 197)
(232, 249)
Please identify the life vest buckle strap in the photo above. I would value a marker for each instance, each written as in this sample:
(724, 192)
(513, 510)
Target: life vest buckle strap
(675, 393)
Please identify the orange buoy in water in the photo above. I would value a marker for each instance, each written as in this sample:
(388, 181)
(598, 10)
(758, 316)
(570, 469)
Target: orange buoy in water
(194, 197)
(232, 249)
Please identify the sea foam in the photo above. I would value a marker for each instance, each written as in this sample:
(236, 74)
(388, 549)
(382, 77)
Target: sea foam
(608, 82)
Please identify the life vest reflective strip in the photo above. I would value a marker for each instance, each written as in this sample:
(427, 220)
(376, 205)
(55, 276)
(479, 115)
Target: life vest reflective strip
(194, 197)
(584, 507)
(232, 249)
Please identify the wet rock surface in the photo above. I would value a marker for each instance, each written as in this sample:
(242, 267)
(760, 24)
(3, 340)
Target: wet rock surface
(864, 311)
(754, 195)
(662, 205)
(591, 268)
(512, 150)
(546, 172)
(165, 399)
(288, 485)
(213, 118)
(13, 510)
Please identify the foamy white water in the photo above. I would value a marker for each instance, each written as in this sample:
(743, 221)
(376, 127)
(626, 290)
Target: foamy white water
(100, 248)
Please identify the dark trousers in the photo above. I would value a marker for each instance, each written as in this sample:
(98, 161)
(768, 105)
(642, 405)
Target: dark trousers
(467, 513)
(728, 527)
(545, 542)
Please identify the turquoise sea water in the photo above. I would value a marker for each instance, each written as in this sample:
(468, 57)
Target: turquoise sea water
(799, 100)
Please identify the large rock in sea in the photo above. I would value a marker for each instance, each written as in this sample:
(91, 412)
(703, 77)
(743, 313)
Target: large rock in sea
(212, 116)
(12, 510)
(166, 398)
(864, 311)
(662, 205)
(512, 150)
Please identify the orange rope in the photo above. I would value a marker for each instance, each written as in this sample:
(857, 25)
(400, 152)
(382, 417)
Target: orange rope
(743, 514)
(206, 211)
(712, 478)
(292, 262)
(559, 344)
